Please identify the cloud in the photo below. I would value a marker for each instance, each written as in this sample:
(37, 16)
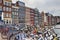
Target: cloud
(44, 5)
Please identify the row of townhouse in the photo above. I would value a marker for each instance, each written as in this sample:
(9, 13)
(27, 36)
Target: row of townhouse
(17, 13)
(5, 11)
(49, 20)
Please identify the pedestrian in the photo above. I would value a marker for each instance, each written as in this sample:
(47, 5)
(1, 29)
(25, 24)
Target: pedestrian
(36, 37)
(28, 37)
(21, 35)
(32, 35)
(45, 37)
(40, 37)
(51, 37)
(55, 37)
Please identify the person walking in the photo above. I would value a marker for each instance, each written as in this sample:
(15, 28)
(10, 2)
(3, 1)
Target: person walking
(55, 37)
(40, 37)
(28, 38)
(45, 37)
(51, 37)
(20, 36)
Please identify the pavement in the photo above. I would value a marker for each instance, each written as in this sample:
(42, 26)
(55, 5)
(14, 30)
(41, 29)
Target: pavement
(1, 37)
(12, 38)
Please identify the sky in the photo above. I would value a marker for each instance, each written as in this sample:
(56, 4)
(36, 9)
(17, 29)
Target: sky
(51, 6)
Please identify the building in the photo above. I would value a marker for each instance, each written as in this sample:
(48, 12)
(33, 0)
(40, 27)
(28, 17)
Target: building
(1, 2)
(46, 19)
(49, 19)
(15, 18)
(58, 19)
(21, 13)
(6, 11)
(53, 20)
(42, 15)
(36, 17)
(32, 11)
(27, 16)
(40, 20)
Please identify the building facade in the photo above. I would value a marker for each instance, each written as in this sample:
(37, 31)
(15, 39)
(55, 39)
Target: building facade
(53, 20)
(1, 2)
(49, 20)
(42, 15)
(40, 20)
(58, 19)
(36, 17)
(7, 11)
(15, 18)
(21, 13)
(32, 17)
(27, 16)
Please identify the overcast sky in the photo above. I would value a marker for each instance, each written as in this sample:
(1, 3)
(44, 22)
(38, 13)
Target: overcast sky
(51, 6)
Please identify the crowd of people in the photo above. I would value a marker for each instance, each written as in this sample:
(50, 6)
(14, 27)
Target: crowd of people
(34, 35)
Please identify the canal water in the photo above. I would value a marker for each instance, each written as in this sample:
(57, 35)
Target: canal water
(57, 30)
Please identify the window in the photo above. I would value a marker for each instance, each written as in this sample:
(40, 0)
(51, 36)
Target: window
(17, 13)
(16, 9)
(7, 8)
(9, 3)
(3, 8)
(0, 8)
(9, 22)
(13, 13)
(13, 9)
(4, 15)
(7, 15)
(6, 3)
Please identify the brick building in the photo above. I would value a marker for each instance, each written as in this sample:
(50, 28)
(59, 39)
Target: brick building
(32, 16)
(27, 16)
(5, 10)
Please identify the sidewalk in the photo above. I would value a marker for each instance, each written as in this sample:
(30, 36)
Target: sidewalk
(1, 37)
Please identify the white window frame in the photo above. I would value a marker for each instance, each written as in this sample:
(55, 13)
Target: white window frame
(4, 8)
(7, 9)
(7, 15)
